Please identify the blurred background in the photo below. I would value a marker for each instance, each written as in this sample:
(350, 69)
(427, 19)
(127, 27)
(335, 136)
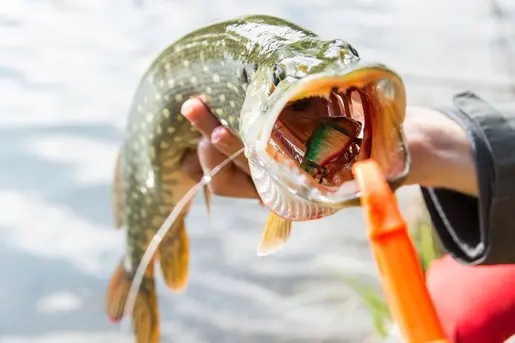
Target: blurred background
(68, 70)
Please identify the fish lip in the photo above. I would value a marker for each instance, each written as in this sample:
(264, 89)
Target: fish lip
(296, 181)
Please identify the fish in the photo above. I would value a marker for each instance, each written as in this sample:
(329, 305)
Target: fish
(270, 82)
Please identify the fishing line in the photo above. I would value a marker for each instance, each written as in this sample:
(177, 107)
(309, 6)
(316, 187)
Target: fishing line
(160, 234)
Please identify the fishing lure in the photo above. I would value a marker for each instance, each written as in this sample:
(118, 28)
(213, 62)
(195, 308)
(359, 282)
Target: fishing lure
(330, 141)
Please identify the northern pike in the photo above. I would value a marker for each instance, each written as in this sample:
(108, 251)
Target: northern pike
(272, 83)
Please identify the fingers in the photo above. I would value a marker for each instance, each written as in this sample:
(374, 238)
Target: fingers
(230, 181)
(199, 116)
(190, 165)
(227, 143)
(216, 145)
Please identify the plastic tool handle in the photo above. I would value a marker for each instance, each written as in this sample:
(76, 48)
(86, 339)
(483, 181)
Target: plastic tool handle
(401, 274)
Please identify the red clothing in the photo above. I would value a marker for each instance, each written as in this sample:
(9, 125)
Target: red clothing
(476, 304)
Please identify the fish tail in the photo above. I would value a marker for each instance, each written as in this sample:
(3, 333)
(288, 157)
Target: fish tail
(145, 318)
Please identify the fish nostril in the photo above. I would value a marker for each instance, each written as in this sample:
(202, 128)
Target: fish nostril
(352, 50)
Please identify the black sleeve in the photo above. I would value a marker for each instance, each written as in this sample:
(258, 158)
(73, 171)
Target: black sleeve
(480, 230)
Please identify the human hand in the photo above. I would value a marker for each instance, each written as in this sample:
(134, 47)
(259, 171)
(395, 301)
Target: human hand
(217, 143)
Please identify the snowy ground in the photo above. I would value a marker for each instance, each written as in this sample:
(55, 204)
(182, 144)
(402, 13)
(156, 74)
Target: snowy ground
(68, 70)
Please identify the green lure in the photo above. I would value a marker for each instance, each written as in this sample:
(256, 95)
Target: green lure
(330, 140)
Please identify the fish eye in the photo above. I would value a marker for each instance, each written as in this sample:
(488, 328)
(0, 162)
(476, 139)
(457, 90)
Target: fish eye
(278, 75)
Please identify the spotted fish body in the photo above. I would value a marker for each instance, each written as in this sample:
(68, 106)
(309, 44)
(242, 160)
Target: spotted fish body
(230, 65)
(215, 63)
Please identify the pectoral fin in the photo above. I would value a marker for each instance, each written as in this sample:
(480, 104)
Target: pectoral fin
(277, 232)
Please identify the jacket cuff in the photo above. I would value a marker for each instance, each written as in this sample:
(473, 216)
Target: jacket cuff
(480, 230)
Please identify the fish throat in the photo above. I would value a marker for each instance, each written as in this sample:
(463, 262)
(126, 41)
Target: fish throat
(324, 130)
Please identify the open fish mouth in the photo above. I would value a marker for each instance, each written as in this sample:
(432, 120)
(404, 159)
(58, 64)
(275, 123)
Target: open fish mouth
(325, 134)
(328, 123)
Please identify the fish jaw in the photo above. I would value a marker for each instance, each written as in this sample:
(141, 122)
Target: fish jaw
(282, 184)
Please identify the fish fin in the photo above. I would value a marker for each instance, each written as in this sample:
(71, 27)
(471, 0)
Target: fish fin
(277, 232)
(174, 256)
(118, 201)
(207, 199)
(145, 318)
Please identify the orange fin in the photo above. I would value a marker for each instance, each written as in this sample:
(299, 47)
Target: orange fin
(145, 318)
(174, 256)
(276, 233)
(119, 207)
(207, 199)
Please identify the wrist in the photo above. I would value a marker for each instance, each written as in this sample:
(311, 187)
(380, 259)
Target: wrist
(440, 150)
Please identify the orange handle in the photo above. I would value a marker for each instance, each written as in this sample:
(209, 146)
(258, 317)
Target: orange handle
(401, 275)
